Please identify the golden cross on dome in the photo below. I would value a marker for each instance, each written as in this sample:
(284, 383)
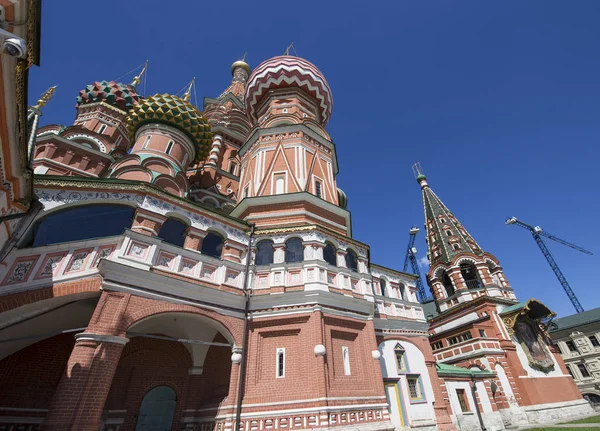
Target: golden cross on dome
(45, 97)
(138, 78)
(188, 92)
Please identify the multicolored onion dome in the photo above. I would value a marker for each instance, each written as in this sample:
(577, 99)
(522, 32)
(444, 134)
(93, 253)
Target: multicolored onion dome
(288, 71)
(119, 95)
(175, 112)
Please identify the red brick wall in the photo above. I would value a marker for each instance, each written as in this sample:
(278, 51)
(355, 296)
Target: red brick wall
(29, 377)
(146, 363)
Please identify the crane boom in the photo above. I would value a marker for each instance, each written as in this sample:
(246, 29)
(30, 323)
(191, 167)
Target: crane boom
(540, 231)
(537, 234)
(410, 257)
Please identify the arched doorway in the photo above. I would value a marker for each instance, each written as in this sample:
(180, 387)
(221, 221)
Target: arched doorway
(157, 410)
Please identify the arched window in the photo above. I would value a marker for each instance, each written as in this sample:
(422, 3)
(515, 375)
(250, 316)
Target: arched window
(80, 223)
(294, 251)
(469, 273)
(264, 252)
(449, 232)
(495, 277)
(279, 184)
(448, 286)
(329, 254)
(382, 285)
(352, 260)
(173, 232)
(402, 292)
(212, 245)
(456, 246)
(170, 146)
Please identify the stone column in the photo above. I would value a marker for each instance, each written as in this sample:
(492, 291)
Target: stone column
(146, 222)
(79, 399)
(193, 238)
(232, 251)
(457, 278)
(213, 159)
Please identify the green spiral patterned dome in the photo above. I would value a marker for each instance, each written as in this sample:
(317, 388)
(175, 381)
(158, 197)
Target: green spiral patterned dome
(176, 112)
(114, 93)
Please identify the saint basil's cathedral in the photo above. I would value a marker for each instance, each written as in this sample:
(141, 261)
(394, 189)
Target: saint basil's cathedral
(187, 269)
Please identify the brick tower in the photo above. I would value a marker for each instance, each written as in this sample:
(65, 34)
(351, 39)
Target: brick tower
(477, 323)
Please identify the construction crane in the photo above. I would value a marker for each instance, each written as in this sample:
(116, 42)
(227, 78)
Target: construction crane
(411, 251)
(537, 233)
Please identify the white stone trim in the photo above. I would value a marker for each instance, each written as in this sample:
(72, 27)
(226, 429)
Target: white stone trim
(88, 336)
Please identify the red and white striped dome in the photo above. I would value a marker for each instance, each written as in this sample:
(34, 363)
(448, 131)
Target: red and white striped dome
(288, 71)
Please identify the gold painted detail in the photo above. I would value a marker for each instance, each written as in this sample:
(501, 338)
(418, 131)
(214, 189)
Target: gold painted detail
(176, 112)
(45, 97)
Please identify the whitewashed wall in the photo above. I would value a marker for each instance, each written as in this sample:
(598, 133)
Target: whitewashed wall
(418, 413)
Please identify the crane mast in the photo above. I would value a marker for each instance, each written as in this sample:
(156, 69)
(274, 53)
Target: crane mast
(537, 233)
(411, 251)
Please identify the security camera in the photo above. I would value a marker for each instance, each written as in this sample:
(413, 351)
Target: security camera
(13, 45)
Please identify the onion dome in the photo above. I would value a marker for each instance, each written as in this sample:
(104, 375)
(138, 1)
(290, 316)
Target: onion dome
(288, 71)
(342, 199)
(176, 112)
(116, 94)
(241, 64)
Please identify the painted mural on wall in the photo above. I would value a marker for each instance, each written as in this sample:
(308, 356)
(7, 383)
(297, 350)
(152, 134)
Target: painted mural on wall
(531, 339)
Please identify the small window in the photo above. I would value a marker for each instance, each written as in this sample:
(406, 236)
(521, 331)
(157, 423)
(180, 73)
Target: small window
(147, 141)
(352, 261)
(280, 363)
(173, 232)
(571, 346)
(264, 252)
(402, 292)
(279, 184)
(318, 190)
(570, 371)
(382, 286)
(346, 359)
(294, 250)
(232, 168)
(170, 146)
(437, 345)
(329, 254)
(102, 128)
(246, 192)
(482, 333)
(449, 233)
(462, 400)
(442, 220)
(118, 141)
(212, 245)
(400, 359)
(594, 341)
(456, 246)
(583, 370)
(415, 388)
(284, 110)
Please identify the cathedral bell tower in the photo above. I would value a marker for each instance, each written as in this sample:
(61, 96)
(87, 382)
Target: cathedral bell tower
(459, 270)
(289, 157)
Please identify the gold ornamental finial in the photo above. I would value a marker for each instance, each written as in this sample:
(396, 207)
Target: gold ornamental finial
(287, 50)
(45, 97)
(138, 78)
(188, 92)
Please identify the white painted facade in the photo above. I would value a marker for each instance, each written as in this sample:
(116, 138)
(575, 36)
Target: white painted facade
(404, 411)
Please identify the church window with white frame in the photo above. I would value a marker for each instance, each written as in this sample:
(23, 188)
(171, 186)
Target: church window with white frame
(346, 360)
(280, 365)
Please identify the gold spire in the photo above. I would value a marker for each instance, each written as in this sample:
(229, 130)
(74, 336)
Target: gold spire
(45, 97)
(138, 78)
(186, 96)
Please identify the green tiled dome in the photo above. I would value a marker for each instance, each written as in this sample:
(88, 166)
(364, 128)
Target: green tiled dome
(176, 112)
(114, 93)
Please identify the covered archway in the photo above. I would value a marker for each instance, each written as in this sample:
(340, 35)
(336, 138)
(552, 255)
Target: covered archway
(187, 353)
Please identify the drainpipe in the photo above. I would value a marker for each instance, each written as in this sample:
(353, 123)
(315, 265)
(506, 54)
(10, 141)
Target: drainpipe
(473, 391)
(242, 376)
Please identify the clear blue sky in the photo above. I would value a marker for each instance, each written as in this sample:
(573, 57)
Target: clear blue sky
(499, 101)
